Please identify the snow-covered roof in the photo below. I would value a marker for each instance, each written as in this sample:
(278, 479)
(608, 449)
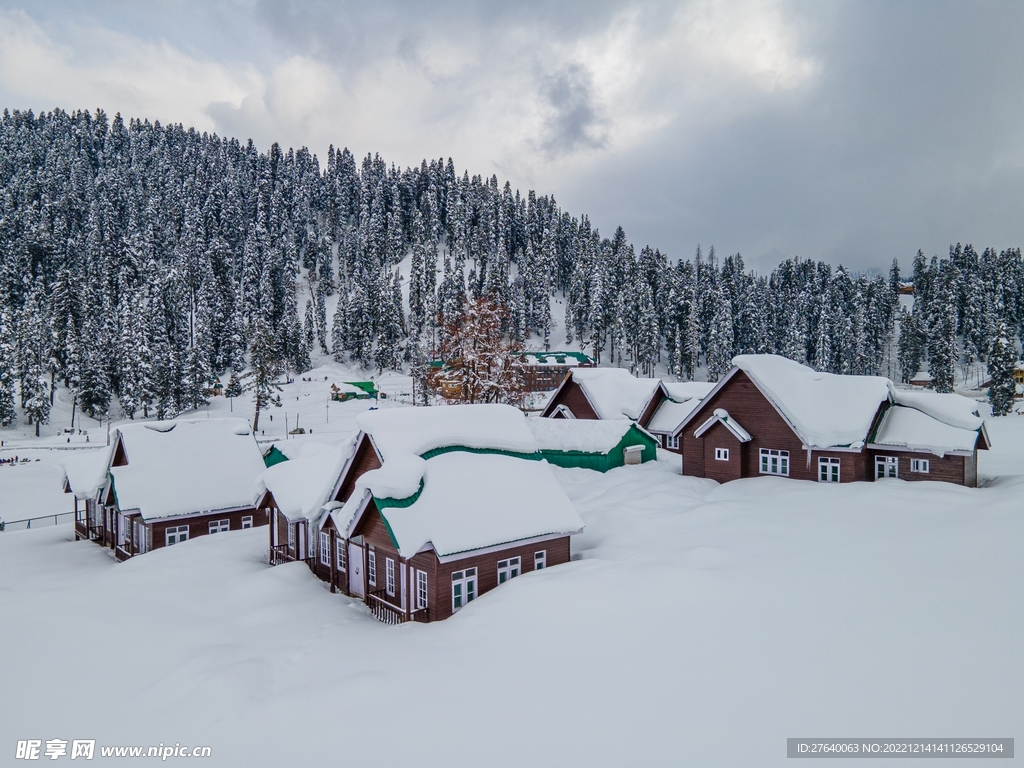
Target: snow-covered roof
(721, 416)
(913, 429)
(470, 501)
(615, 393)
(415, 431)
(86, 470)
(578, 434)
(951, 409)
(302, 485)
(825, 409)
(682, 391)
(670, 414)
(31, 490)
(187, 466)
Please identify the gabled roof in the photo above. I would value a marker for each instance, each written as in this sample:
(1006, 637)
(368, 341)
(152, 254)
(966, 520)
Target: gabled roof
(186, 466)
(613, 393)
(721, 416)
(913, 430)
(469, 501)
(305, 483)
(678, 400)
(827, 410)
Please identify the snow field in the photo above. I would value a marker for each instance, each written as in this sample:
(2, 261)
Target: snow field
(702, 625)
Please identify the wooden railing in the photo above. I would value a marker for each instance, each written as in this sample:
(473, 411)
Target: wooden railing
(389, 613)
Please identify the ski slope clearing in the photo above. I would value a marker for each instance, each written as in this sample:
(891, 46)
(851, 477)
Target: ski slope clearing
(702, 625)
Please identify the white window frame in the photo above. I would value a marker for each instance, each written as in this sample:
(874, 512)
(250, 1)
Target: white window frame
(325, 548)
(540, 560)
(721, 454)
(921, 466)
(340, 554)
(828, 469)
(219, 526)
(291, 535)
(178, 533)
(509, 569)
(371, 567)
(464, 588)
(773, 462)
(422, 595)
(389, 576)
(672, 442)
(884, 463)
(246, 521)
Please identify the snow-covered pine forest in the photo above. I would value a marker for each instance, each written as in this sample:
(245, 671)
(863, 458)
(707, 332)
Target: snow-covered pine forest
(140, 260)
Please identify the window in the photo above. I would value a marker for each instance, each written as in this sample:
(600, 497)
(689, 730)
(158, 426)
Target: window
(672, 442)
(774, 462)
(219, 526)
(463, 588)
(291, 536)
(177, 535)
(421, 589)
(828, 470)
(325, 548)
(389, 575)
(886, 466)
(661, 440)
(371, 567)
(920, 465)
(508, 569)
(540, 560)
(721, 454)
(340, 554)
(247, 521)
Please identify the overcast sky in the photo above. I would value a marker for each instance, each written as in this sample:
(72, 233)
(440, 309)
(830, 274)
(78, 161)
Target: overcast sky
(851, 132)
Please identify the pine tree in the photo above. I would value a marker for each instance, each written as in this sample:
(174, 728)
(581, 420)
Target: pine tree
(8, 414)
(266, 366)
(1002, 360)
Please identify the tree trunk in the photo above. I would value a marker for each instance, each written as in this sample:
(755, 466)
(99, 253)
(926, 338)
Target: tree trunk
(256, 420)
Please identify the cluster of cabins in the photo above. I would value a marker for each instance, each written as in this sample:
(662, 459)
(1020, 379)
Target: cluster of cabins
(426, 509)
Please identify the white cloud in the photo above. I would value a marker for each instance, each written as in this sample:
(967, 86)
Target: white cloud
(97, 67)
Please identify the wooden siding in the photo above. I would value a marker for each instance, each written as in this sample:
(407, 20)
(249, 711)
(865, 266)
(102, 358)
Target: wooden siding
(572, 397)
(722, 471)
(199, 525)
(487, 570)
(375, 538)
(755, 413)
(652, 407)
(948, 469)
(364, 460)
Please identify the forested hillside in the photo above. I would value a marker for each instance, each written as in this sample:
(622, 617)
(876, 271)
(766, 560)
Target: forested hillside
(139, 260)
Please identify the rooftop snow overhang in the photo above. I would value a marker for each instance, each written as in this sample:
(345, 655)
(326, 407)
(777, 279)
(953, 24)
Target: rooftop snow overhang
(721, 416)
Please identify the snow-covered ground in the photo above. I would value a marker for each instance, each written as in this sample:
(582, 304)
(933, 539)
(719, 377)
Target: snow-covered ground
(700, 625)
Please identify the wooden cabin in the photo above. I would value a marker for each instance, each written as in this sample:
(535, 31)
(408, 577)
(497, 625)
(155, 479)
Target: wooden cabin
(171, 481)
(601, 393)
(670, 404)
(544, 371)
(772, 416)
(474, 521)
(471, 478)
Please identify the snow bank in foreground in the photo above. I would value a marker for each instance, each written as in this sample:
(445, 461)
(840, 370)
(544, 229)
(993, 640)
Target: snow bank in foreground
(703, 626)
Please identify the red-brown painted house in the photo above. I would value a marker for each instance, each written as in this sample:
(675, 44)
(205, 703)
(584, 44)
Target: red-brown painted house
(170, 481)
(601, 393)
(772, 416)
(432, 508)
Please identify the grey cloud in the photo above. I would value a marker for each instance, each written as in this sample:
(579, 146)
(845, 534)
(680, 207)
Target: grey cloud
(575, 120)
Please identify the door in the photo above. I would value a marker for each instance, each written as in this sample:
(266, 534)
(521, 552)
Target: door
(886, 466)
(355, 569)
